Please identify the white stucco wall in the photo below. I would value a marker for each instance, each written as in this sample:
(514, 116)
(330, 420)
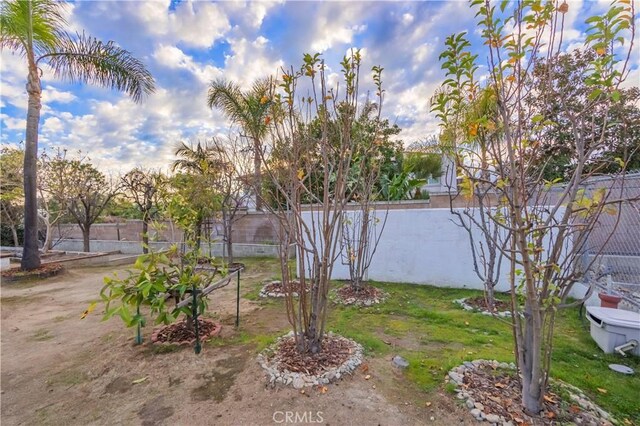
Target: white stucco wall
(423, 246)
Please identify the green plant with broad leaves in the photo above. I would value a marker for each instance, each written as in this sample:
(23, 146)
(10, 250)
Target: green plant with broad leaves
(158, 282)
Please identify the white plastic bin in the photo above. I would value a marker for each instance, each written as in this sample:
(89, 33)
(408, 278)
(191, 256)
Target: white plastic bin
(614, 327)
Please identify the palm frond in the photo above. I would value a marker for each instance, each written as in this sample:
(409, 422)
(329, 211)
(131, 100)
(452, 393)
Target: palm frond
(35, 24)
(88, 60)
(227, 96)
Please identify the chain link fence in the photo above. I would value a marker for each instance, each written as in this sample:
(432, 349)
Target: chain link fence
(615, 241)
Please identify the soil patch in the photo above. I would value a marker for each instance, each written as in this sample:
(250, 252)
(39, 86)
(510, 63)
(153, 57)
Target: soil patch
(220, 379)
(154, 412)
(119, 385)
(366, 295)
(179, 333)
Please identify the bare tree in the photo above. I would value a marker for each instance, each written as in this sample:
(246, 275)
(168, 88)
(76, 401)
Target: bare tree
(362, 226)
(235, 165)
(52, 193)
(82, 189)
(312, 166)
(142, 187)
(546, 231)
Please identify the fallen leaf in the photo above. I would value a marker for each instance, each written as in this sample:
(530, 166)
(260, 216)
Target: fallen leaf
(135, 382)
(627, 422)
(574, 409)
(466, 323)
(500, 385)
(428, 404)
(551, 415)
(549, 399)
(367, 377)
(89, 310)
(364, 368)
(323, 389)
(302, 391)
(602, 390)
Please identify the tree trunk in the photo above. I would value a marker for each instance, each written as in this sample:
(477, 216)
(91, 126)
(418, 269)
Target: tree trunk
(47, 239)
(145, 236)
(230, 248)
(86, 230)
(257, 164)
(489, 294)
(30, 253)
(14, 232)
(530, 367)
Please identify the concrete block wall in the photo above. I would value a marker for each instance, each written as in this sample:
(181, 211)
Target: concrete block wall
(134, 247)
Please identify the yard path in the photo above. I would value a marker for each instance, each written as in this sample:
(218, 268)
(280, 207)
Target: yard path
(57, 369)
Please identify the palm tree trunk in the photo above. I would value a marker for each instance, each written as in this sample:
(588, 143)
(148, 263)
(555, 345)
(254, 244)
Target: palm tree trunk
(257, 164)
(30, 253)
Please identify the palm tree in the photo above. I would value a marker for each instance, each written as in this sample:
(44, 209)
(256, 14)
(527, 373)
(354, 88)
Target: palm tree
(35, 30)
(202, 164)
(249, 110)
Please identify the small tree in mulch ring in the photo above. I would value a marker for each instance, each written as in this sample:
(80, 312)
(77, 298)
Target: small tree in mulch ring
(43, 271)
(159, 283)
(363, 222)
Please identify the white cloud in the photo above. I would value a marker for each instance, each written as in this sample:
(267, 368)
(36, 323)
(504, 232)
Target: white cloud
(51, 94)
(197, 24)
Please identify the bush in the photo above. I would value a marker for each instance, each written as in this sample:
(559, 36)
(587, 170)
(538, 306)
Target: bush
(6, 237)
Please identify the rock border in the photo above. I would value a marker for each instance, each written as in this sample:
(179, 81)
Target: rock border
(266, 294)
(217, 328)
(335, 297)
(455, 376)
(301, 380)
(463, 303)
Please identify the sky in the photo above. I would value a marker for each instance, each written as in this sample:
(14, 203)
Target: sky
(187, 44)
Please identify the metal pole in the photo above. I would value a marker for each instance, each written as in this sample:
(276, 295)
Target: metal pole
(139, 333)
(238, 299)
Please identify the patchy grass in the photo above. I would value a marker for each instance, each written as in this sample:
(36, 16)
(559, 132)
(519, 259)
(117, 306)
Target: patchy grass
(439, 335)
(422, 324)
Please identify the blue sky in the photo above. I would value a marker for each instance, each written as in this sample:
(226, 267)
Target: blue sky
(187, 44)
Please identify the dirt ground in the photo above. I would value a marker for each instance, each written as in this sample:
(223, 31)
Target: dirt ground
(59, 369)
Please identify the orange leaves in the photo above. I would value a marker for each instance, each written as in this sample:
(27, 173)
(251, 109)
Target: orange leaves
(267, 120)
(549, 399)
(473, 129)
